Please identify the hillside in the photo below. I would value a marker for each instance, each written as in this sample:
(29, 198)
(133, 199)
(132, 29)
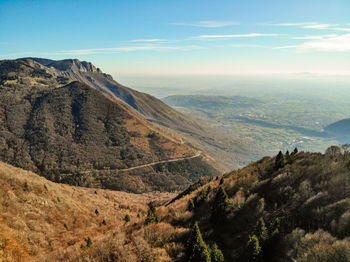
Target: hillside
(72, 133)
(292, 207)
(44, 221)
(228, 152)
(340, 129)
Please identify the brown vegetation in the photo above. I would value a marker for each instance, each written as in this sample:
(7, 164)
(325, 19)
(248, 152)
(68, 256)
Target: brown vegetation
(77, 135)
(44, 221)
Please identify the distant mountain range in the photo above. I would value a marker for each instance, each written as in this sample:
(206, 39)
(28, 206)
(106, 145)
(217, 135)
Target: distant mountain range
(53, 123)
(340, 129)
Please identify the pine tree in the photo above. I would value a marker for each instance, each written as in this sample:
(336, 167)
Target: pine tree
(88, 242)
(288, 159)
(220, 205)
(261, 230)
(152, 216)
(216, 254)
(279, 162)
(254, 248)
(191, 205)
(197, 250)
(295, 151)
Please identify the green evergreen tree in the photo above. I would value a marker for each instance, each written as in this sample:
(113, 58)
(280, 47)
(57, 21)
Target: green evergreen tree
(254, 248)
(191, 205)
(295, 151)
(88, 242)
(279, 162)
(275, 228)
(261, 230)
(288, 159)
(152, 216)
(197, 250)
(220, 205)
(216, 254)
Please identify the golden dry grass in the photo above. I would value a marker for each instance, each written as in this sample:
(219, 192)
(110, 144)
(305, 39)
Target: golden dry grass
(44, 221)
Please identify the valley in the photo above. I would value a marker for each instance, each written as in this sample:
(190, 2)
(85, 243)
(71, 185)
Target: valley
(272, 122)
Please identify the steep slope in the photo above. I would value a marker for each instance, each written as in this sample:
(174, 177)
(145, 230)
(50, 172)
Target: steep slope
(75, 134)
(150, 107)
(229, 153)
(287, 208)
(44, 221)
(292, 207)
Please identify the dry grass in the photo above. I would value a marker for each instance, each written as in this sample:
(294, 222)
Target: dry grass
(44, 221)
(171, 144)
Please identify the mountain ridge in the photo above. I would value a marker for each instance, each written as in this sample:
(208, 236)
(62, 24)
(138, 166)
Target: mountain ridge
(154, 110)
(71, 132)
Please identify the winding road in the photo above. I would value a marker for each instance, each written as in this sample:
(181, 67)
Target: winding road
(199, 153)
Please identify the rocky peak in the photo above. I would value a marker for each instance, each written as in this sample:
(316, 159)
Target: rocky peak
(74, 65)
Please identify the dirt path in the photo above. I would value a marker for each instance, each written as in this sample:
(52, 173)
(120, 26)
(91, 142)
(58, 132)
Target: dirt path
(161, 162)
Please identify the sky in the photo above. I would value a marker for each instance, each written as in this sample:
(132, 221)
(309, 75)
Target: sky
(183, 37)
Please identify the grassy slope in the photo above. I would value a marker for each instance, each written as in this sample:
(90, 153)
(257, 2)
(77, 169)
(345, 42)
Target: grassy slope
(44, 221)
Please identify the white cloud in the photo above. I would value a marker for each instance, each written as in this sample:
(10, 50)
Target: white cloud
(124, 49)
(291, 24)
(312, 25)
(149, 40)
(341, 29)
(249, 45)
(209, 24)
(338, 43)
(318, 26)
(313, 37)
(285, 47)
(235, 36)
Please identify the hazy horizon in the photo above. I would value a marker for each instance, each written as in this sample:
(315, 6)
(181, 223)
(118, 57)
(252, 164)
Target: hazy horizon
(137, 38)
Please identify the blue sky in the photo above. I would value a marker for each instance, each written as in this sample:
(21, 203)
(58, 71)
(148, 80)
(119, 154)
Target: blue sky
(183, 37)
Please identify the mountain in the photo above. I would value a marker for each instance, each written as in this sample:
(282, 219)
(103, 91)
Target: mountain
(70, 132)
(228, 152)
(340, 129)
(291, 207)
(150, 107)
